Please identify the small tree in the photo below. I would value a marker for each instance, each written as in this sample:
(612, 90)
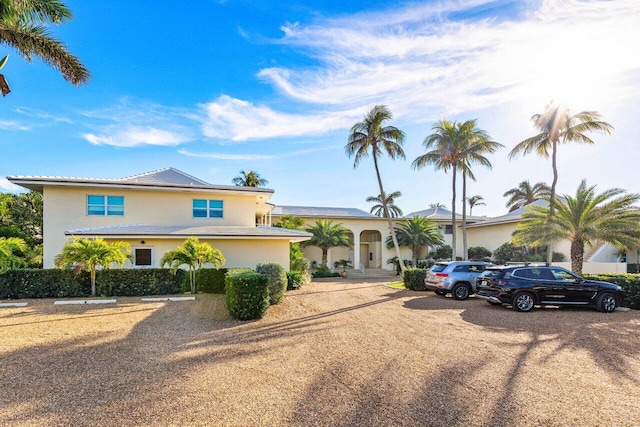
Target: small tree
(327, 235)
(194, 255)
(89, 254)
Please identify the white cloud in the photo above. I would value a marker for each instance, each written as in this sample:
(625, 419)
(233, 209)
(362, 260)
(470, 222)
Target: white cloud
(222, 156)
(30, 112)
(13, 126)
(134, 136)
(6, 185)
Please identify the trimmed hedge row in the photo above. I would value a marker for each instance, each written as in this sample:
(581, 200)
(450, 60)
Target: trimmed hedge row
(247, 294)
(630, 284)
(56, 283)
(413, 279)
(277, 280)
(208, 280)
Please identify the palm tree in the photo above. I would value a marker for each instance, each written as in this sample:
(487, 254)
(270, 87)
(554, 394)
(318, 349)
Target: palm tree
(609, 217)
(525, 194)
(371, 135)
(290, 222)
(327, 235)
(416, 233)
(378, 209)
(4, 86)
(23, 26)
(474, 201)
(89, 254)
(454, 146)
(437, 205)
(194, 255)
(249, 179)
(10, 247)
(558, 126)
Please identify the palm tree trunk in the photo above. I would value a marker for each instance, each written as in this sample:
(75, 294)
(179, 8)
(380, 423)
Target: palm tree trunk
(553, 198)
(325, 255)
(386, 214)
(453, 217)
(192, 280)
(93, 282)
(465, 250)
(577, 255)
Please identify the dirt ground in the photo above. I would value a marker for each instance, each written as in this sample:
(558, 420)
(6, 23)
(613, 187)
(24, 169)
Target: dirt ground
(333, 353)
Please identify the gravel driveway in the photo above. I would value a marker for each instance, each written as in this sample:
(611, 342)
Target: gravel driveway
(333, 353)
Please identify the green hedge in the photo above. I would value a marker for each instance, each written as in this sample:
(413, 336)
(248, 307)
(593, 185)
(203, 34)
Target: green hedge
(138, 282)
(247, 294)
(295, 279)
(38, 283)
(208, 280)
(56, 283)
(630, 284)
(277, 276)
(413, 279)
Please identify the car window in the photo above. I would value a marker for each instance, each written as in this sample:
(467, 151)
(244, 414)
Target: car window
(492, 274)
(525, 273)
(460, 268)
(542, 274)
(563, 275)
(475, 268)
(438, 268)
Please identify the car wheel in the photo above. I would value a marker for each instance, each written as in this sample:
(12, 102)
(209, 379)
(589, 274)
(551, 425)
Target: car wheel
(460, 291)
(606, 303)
(439, 292)
(523, 302)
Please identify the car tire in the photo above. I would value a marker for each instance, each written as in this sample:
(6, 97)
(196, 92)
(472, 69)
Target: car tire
(439, 292)
(523, 302)
(460, 291)
(606, 302)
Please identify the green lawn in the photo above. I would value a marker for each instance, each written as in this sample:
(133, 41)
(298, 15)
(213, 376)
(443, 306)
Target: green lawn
(397, 285)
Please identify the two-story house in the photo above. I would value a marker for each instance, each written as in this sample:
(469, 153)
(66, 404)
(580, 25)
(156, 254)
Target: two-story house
(156, 211)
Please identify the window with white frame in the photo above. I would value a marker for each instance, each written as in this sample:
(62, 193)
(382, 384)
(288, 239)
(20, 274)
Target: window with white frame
(142, 257)
(101, 205)
(203, 208)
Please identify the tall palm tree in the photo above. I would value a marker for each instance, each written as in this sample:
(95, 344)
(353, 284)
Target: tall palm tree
(558, 126)
(437, 205)
(584, 218)
(378, 209)
(416, 233)
(327, 235)
(10, 247)
(456, 146)
(249, 179)
(194, 254)
(290, 222)
(23, 26)
(89, 254)
(474, 201)
(525, 194)
(371, 135)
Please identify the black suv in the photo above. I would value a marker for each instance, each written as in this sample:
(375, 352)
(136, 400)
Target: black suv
(523, 286)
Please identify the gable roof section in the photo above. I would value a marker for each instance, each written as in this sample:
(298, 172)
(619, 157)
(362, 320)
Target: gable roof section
(514, 216)
(322, 212)
(442, 214)
(181, 232)
(162, 179)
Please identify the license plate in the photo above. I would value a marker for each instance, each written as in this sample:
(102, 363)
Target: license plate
(483, 283)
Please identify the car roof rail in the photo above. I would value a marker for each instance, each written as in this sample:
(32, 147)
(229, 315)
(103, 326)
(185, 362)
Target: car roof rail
(528, 263)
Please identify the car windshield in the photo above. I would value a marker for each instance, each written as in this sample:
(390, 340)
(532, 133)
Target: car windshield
(437, 268)
(492, 274)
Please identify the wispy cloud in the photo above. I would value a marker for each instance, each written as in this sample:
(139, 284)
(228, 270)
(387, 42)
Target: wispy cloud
(135, 136)
(30, 112)
(13, 126)
(253, 157)
(9, 186)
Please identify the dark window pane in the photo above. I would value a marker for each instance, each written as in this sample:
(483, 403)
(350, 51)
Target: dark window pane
(143, 257)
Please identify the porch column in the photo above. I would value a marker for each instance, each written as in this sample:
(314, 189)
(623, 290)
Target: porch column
(356, 249)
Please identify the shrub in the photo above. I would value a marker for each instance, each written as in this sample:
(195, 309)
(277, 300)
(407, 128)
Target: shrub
(296, 279)
(442, 253)
(413, 279)
(208, 280)
(630, 284)
(247, 294)
(479, 253)
(138, 282)
(50, 283)
(323, 271)
(277, 276)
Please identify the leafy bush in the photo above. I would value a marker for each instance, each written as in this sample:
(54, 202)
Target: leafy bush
(247, 294)
(479, 253)
(208, 280)
(630, 284)
(323, 271)
(442, 253)
(37, 283)
(138, 282)
(296, 279)
(277, 280)
(413, 279)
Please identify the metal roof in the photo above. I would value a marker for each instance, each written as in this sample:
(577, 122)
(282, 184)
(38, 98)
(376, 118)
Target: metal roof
(321, 212)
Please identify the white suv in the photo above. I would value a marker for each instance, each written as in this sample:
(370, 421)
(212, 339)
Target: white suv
(456, 277)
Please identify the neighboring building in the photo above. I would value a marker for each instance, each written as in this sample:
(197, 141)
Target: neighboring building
(156, 211)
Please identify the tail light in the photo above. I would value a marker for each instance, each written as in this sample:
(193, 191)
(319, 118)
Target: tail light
(442, 275)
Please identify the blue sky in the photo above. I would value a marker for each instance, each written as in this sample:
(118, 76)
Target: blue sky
(215, 87)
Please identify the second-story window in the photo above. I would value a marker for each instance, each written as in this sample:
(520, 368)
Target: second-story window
(105, 205)
(208, 208)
